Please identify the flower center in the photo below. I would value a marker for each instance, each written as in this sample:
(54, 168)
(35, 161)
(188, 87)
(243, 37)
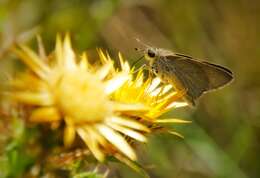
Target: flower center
(80, 95)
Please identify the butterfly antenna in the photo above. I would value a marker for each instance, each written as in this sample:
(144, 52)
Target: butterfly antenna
(142, 43)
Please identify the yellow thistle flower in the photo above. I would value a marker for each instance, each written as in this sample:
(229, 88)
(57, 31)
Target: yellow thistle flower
(97, 102)
(158, 97)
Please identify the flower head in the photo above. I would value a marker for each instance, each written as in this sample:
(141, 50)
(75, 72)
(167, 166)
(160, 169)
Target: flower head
(97, 102)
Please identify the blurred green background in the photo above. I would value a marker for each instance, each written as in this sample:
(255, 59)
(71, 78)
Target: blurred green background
(224, 139)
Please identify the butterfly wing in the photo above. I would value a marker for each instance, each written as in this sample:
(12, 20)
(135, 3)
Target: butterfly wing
(218, 75)
(194, 76)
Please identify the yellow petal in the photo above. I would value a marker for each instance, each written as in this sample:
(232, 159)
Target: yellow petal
(22, 82)
(179, 121)
(177, 105)
(161, 90)
(96, 135)
(102, 56)
(128, 123)
(33, 61)
(69, 135)
(171, 99)
(104, 70)
(131, 133)
(45, 114)
(166, 89)
(124, 65)
(121, 107)
(31, 98)
(143, 91)
(139, 80)
(155, 83)
(108, 58)
(117, 140)
(59, 51)
(115, 83)
(91, 143)
(84, 62)
(69, 56)
(41, 49)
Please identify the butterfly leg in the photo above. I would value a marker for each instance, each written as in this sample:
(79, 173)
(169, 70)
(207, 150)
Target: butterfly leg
(144, 67)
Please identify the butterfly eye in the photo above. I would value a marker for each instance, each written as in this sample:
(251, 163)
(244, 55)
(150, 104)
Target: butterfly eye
(151, 53)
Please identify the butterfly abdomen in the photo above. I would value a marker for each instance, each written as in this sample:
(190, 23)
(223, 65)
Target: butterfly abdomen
(167, 74)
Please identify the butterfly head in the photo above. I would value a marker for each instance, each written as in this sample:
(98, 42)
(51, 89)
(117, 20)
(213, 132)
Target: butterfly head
(150, 54)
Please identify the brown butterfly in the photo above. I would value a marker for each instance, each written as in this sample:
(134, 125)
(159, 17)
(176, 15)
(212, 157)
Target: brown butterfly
(186, 73)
